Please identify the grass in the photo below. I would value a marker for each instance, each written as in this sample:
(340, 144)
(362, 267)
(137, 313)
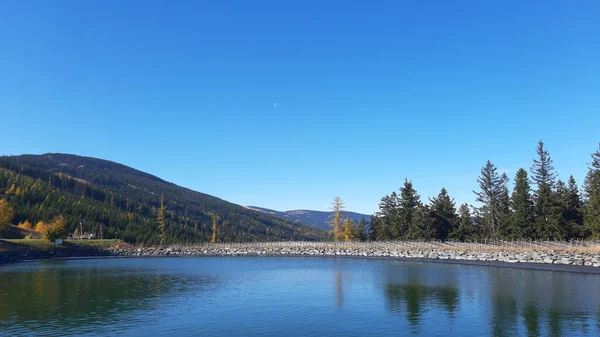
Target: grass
(8, 245)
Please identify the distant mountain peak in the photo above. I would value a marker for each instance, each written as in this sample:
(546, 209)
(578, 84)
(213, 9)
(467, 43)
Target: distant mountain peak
(318, 219)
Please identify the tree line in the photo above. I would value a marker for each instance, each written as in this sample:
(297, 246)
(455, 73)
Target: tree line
(539, 207)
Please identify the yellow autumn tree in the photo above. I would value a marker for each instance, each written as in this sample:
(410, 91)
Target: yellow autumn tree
(11, 190)
(349, 230)
(336, 217)
(6, 215)
(40, 227)
(215, 219)
(56, 229)
(25, 225)
(162, 221)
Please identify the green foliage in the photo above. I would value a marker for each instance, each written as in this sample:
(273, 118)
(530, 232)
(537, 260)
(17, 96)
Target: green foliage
(466, 231)
(521, 224)
(126, 202)
(443, 213)
(592, 194)
(546, 211)
(493, 197)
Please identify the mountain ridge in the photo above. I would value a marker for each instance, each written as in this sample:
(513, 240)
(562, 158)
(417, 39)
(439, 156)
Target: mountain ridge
(124, 202)
(319, 219)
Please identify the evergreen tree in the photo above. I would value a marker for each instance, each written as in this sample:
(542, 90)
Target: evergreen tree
(492, 192)
(571, 222)
(546, 211)
(421, 227)
(162, 221)
(409, 206)
(443, 214)
(466, 231)
(386, 220)
(521, 225)
(592, 197)
(504, 210)
(360, 229)
(336, 218)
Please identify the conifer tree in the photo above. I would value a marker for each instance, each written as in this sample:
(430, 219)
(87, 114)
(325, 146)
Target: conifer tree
(386, 223)
(162, 221)
(569, 201)
(443, 213)
(492, 192)
(505, 211)
(409, 206)
(592, 197)
(348, 230)
(336, 217)
(546, 211)
(215, 219)
(521, 225)
(360, 229)
(466, 231)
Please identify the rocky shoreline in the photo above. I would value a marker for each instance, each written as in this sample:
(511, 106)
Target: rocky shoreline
(547, 260)
(530, 257)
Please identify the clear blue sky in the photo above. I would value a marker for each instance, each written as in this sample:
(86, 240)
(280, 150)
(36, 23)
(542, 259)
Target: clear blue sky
(367, 92)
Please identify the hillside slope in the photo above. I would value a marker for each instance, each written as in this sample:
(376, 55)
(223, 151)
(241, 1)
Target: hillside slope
(318, 219)
(124, 202)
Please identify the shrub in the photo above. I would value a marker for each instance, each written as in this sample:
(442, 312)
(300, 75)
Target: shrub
(56, 229)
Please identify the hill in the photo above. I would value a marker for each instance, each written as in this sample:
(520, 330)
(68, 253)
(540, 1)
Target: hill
(318, 219)
(124, 202)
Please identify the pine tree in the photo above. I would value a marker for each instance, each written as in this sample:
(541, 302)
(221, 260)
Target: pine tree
(443, 213)
(409, 205)
(592, 197)
(504, 210)
(546, 211)
(348, 230)
(569, 201)
(466, 231)
(521, 225)
(162, 225)
(336, 218)
(360, 229)
(492, 192)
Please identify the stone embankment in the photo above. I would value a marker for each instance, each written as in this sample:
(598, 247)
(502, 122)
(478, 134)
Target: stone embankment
(580, 258)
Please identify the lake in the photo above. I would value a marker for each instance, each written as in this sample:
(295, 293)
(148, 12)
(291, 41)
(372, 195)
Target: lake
(275, 296)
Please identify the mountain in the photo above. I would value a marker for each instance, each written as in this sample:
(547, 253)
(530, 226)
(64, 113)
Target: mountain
(123, 203)
(318, 219)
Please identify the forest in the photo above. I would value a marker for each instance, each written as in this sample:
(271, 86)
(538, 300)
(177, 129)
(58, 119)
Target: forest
(111, 200)
(539, 207)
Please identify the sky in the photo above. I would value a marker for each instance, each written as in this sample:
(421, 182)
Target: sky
(286, 104)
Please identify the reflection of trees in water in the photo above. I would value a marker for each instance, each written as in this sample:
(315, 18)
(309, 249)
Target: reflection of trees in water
(413, 297)
(543, 303)
(519, 301)
(339, 296)
(73, 297)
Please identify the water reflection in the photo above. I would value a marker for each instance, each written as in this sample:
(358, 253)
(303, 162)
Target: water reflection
(79, 298)
(271, 296)
(521, 302)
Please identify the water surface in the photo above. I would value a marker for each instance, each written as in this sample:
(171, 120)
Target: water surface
(268, 296)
